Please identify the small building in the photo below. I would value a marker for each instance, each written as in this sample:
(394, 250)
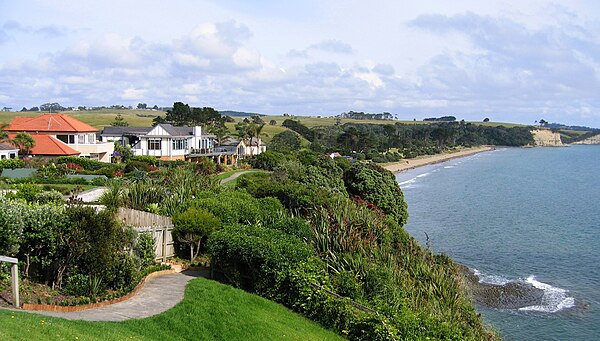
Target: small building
(61, 135)
(8, 151)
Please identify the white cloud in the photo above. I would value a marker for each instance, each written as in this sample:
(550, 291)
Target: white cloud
(133, 94)
(405, 58)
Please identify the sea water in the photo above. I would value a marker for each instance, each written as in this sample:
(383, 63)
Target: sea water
(519, 214)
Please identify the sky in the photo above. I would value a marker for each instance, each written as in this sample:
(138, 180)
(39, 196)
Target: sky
(510, 61)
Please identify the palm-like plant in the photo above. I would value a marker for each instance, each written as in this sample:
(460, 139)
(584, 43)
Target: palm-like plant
(3, 133)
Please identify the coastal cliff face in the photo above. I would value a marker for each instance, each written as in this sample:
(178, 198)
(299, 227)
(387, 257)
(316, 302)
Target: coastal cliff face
(546, 138)
(591, 140)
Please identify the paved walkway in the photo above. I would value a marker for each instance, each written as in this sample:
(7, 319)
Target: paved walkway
(92, 194)
(157, 295)
(235, 176)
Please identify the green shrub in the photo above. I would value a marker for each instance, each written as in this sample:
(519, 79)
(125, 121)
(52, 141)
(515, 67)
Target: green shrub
(25, 191)
(268, 160)
(87, 164)
(11, 163)
(191, 226)
(144, 249)
(135, 165)
(77, 285)
(378, 186)
(147, 159)
(250, 256)
(123, 271)
(49, 197)
(237, 207)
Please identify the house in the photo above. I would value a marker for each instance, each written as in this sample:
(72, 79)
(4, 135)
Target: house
(8, 151)
(168, 142)
(61, 135)
(164, 141)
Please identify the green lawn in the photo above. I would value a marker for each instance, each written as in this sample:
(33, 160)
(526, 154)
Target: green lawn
(209, 311)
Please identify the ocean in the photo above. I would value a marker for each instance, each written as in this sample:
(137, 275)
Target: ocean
(525, 215)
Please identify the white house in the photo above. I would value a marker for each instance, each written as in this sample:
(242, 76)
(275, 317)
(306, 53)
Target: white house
(8, 151)
(164, 141)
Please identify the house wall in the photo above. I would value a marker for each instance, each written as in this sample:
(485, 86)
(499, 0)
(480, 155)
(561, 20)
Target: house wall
(102, 150)
(9, 154)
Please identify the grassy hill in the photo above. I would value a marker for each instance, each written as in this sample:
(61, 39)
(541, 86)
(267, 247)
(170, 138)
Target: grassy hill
(209, 311)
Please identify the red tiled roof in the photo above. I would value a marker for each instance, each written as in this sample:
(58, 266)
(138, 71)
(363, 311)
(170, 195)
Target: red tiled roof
(49, 123)
(49, 145)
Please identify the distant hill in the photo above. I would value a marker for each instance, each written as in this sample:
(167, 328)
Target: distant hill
(238, 113)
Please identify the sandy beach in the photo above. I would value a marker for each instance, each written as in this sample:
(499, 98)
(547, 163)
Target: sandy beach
(396, 167)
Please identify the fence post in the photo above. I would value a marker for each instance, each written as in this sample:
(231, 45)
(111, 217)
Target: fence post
(164, 244)
(14, 272)
(15, 284)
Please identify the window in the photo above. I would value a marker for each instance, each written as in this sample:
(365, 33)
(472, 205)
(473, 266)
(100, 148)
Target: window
(68, 139)
(2, 157)
(81, 138)
(180, 144)
(154, 145)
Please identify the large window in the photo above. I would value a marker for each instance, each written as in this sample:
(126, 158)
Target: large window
(154, 145)
(180, 144)
(68, 139)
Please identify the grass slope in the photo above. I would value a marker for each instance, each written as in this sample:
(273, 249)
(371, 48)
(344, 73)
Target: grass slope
(209, 311)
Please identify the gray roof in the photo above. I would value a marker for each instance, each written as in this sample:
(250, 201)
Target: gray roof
(4, 146)
(138, 131)
(119, 131)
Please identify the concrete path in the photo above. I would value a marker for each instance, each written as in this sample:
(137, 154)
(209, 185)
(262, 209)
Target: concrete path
(159, 294)
(235, 176)
(92, 194)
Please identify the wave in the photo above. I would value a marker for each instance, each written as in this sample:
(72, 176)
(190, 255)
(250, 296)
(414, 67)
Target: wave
(491, 279)
(446, 167)
(554, 299)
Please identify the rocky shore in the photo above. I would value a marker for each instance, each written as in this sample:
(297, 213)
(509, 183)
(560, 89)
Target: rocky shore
(512, 295)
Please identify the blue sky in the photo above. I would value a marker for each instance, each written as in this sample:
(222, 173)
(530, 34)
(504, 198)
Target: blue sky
(514, 61)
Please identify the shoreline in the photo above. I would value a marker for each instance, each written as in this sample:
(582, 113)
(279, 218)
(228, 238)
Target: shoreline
(406, 164)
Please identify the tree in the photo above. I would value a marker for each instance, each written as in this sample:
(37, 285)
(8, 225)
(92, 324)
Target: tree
(486, 119)
(192, 226)
(257, 120)
(285, 141)
(24, 142)
(272, 123)
(543, 123)
(119, 121)
(142, 106)
(51, 107)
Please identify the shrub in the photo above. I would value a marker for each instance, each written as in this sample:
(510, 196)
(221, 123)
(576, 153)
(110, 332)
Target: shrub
(147, 159)
(237, 207)
(268, 160)
(135, 165)
(87, 164)
(204, 166)
(11, 163)
(49, 197)
(144, 249)
(379, 187)
(192, 226)
(26, 191)
(250, 256)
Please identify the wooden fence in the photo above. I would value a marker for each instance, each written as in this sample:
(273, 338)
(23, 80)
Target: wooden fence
(160, 227)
